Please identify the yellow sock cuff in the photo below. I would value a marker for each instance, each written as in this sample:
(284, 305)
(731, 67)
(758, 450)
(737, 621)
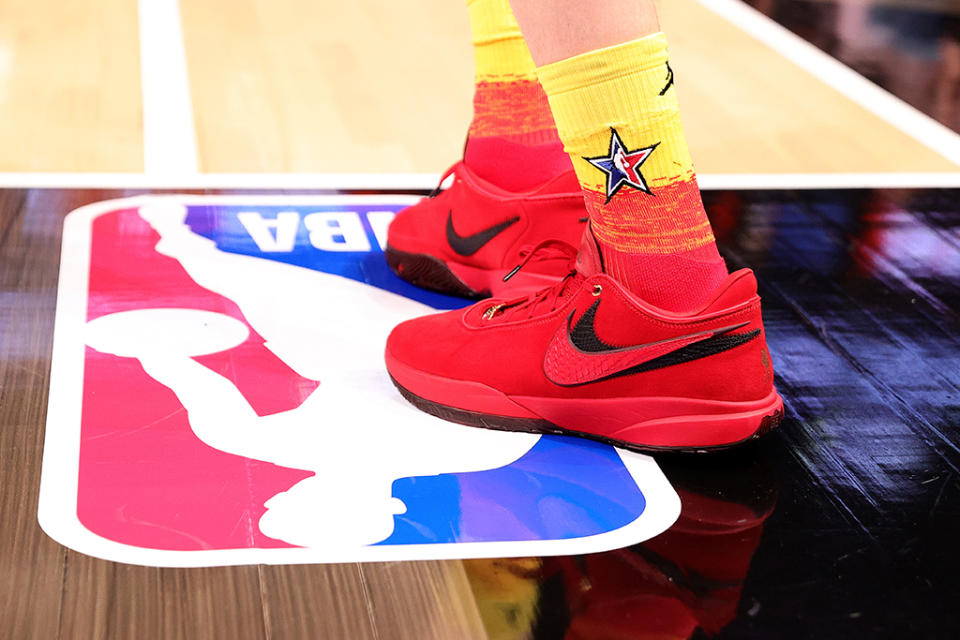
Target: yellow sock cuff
(628, 87)
(500, 51)
(607, 64)
(624, 94)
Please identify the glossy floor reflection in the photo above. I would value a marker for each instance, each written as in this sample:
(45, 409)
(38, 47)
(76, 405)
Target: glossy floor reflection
(861, 306)
(686, 579)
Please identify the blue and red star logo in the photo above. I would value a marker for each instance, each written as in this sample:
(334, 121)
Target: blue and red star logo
(622, 166)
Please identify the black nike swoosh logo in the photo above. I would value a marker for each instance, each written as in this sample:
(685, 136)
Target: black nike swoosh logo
(469, 245)
(596, 360)
(669, 80)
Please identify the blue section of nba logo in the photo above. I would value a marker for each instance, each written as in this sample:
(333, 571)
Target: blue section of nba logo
(335, 227)
(562, 488)
(527, 500)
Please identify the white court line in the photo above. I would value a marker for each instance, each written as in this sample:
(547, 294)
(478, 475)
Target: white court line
(302, 181)
(840, 77)
(169, 138)
(829, 180)
(426, 181)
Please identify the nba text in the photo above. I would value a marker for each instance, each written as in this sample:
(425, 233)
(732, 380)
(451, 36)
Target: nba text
(327, 230)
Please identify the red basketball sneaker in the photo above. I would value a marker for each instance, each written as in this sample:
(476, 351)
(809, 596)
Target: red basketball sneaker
(465, 239)
(586, 357)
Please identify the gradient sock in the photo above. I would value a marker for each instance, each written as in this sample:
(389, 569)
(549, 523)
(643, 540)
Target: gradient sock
(617, 113)
(512, 141)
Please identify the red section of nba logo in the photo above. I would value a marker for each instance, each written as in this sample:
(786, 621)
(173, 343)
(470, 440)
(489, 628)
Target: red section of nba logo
(145, 478)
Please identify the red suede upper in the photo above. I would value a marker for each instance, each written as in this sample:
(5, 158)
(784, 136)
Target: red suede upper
(506, 352)
(555, 210)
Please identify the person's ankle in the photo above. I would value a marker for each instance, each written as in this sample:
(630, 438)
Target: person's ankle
(514, 166)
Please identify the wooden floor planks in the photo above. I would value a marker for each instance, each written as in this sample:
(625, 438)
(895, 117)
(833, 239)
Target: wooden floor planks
(316, 601)
(70, 91)
(31, 564)
(422, 600)
(298, 86)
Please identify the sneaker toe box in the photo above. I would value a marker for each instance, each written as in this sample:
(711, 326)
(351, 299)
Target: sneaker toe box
(429, 343)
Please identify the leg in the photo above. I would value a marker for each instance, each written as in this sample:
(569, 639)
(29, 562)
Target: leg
(514, 189)
(560, 29)
(649, 343)
(512, 140)
(605, 68)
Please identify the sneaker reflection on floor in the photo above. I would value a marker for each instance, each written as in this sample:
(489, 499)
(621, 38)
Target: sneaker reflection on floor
(688, 578)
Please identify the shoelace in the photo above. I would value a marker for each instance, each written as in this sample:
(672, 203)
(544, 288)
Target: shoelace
(546, 250)
(546, 299)
(446, 174)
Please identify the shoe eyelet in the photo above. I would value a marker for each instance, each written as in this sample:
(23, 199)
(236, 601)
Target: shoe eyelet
(597, 290)
(491, 311)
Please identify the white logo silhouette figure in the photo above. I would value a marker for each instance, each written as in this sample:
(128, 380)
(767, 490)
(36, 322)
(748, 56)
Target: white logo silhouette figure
(354, 431)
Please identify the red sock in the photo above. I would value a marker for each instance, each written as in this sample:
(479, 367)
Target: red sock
(512, 141)
(616, 110)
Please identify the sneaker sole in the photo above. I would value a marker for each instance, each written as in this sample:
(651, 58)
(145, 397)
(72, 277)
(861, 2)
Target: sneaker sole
(429, 273)
(537, 425)
(703, 425)
(463, 280)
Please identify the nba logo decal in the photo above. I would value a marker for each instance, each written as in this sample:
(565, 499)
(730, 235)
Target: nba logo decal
(218, 396)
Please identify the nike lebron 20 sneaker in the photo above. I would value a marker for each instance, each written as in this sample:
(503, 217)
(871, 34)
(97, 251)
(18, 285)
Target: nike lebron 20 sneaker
(586, 357)
(465, 239)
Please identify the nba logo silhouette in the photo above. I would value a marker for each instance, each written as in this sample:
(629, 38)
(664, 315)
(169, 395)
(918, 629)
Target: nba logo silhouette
(218, 396)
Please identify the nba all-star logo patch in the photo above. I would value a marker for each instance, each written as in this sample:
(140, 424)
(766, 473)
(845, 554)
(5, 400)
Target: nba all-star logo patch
(622, 166)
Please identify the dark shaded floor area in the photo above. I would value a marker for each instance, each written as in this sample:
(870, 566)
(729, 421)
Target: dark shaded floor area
(843, 523)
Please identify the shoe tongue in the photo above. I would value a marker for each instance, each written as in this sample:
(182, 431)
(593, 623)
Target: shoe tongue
(589, 261)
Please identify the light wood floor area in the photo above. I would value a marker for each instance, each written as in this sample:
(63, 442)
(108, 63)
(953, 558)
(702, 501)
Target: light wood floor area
(69, 86)
(370, 86)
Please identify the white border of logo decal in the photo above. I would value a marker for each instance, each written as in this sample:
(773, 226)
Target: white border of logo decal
(61, 454)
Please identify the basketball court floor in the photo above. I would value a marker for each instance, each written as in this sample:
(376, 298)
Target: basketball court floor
(197, 436)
